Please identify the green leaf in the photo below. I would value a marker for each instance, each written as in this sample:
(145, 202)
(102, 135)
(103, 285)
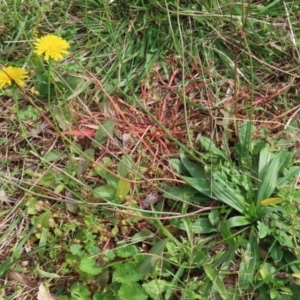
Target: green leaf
(245, 132)
(263, 230)
(106, 192)
(79, 291)
(54, 155)
(76, 249)
(133, 292)
(238, 221)
(104, 131)
(89, 265)
(211, 148)
(216, 281)
(228, 195)
(155, 288)
(202, 225)
(269, 166)
(177, 166)
(127, 273)
(200, 184)
(250, 258)
(125, 165)
(226, 234)
(28, 113)
(193, 168)
(127, 251)
(292, 173)
(154, 256)
(111, 179)
(45, 274)
(213, 217)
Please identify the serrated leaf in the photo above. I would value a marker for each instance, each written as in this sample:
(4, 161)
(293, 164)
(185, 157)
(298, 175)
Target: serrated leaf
(105, 131)
(127, 251)
(127, 273)
(90, 266)
(133, 292)
(155, 287)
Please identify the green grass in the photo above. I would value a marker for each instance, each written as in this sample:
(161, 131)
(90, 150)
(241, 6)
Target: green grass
(159, 159)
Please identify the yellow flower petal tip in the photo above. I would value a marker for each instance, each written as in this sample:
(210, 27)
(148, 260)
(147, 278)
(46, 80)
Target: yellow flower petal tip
(9, 75)
(52, 46)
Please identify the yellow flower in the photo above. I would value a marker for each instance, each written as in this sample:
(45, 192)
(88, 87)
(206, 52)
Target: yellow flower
(53, 46)
(12, 74)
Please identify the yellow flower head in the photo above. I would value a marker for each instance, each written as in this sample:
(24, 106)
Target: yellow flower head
(12, 74)
(53, 46)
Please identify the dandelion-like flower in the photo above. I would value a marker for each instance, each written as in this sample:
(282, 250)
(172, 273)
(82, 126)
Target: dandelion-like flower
(8, 75)
(53, 46)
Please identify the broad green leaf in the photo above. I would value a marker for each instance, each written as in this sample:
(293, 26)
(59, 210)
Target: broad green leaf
(79, 291)
(124, 166)
(226, 234)
(202, 225)
(213, 217)
(177, 166)
(127, 273)
(111, 179)
(187, 193)
(127, 251)
(28, 113)
(269, 173)
(238, 221)
(250, 258)
(200, 184)
(211, 148)
(216, 281)
(193, 168)
(89, 265)
(149, 262)
(263, 230)
(228, 195)
(105, 131)
(133, 292)
(245, 132)
(292, 173)
(54, 155)
(155, 288)
(106, 192)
